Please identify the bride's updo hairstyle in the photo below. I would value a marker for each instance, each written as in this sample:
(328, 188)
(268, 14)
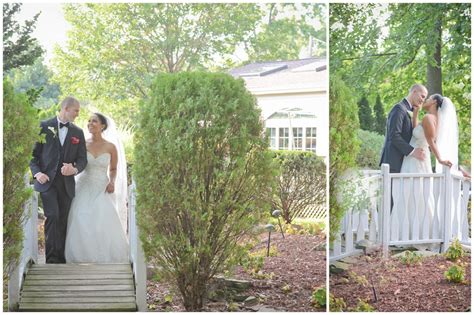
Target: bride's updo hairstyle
(439, 100)
(103, 120)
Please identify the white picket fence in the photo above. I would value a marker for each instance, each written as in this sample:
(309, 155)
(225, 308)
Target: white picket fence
(29, 254)
(427, 209)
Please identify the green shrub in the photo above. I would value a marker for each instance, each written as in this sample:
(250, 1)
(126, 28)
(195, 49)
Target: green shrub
(20, 132)
(336, 304)
(319, 297)
(363, 306)
(455, 274)
(370, 148)
(454, 251)
(252, 263)
(411, 258)
(301, 182)
(201, 166)
(344, 145)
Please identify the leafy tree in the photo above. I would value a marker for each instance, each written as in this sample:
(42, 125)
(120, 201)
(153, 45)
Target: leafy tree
(19, 135)
(204, 166)
(114, 50)
(417, 42)
(19, 48)
(380, 119)
(343, 145)
(301, 182)
(366, 119)
(287, 30)
(37, 77)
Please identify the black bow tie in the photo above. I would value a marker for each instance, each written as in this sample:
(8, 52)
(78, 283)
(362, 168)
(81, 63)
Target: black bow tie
(63, 125)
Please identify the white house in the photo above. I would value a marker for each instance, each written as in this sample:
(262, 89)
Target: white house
(294, 102)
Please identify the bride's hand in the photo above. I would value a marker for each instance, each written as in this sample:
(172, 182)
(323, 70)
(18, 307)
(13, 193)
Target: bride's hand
(110, 188)
(445, 162)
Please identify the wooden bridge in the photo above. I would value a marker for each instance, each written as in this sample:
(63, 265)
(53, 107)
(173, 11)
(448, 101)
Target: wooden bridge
(77, 287)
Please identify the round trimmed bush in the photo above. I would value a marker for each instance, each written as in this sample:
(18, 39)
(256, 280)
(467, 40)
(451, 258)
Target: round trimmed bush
(301, 182)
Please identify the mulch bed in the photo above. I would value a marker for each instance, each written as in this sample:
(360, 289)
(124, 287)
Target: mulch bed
(402, 288)
(298, 268)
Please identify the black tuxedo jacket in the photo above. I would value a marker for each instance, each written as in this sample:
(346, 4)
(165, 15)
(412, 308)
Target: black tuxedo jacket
(47, 155)
(397, 136)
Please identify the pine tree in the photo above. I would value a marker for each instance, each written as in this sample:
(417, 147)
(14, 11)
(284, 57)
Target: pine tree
(366, 118)
(19, 48)
(380, 119)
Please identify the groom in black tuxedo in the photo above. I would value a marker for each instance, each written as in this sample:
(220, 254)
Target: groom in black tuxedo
(400, 129)
(54, 164)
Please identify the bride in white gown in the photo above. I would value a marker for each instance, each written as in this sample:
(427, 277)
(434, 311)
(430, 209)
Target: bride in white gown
(427, 135)
(94, 231)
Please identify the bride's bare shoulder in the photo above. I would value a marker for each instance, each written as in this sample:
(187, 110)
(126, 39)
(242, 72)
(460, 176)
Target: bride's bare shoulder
(110, 147)
(429, 119)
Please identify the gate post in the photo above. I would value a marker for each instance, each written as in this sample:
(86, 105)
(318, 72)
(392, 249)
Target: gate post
(386, 206)
(447, 194)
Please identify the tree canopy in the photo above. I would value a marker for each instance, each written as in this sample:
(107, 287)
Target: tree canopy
(385, 48)
(114, 50)
(19, 48)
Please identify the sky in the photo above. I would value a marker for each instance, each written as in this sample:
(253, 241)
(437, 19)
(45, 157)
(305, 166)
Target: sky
(51, 27)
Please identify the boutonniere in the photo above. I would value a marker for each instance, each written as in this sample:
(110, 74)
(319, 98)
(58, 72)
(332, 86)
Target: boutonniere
(53, 131)
(75, 140)
(410, 114)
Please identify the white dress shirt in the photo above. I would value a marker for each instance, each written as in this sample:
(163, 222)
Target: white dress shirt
(62, 132)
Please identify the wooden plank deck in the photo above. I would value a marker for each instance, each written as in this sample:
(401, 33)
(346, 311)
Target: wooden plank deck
(79, 287)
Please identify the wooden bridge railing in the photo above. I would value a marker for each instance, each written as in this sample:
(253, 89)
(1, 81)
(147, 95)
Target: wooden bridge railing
(29, 253)
(137, 257)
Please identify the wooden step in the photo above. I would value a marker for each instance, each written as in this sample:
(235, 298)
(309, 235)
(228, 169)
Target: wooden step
(78, 307)
(79, 299)
(62, 282)
(81, 276)
(79, 294)
(78, 287)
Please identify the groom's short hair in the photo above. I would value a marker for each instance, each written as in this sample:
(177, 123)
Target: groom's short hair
(417, 86)
(69, 101)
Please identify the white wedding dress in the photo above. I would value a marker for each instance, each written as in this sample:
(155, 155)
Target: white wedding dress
(94, 231)
(413, 165)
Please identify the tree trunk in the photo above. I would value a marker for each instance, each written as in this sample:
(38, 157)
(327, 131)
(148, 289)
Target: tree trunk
(433, 71)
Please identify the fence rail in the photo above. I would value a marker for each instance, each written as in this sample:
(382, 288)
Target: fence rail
(136, 252)
(29, 252)
(407, 209)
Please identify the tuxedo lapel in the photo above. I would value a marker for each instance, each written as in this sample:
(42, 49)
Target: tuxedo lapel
(54, 123)
(407, 106)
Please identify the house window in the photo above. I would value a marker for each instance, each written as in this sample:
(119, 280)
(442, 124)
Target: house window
(297, 138)
(271, 133)
(283, 134)
(311, 139)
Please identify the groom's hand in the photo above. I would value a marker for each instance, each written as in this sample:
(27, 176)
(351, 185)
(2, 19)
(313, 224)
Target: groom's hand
(419, 154)
(42, 178)
(68, 169)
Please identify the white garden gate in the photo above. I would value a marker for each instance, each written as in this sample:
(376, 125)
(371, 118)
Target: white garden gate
(427, 209)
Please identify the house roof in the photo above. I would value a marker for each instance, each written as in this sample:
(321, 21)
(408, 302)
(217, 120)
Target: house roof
(284, 76)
